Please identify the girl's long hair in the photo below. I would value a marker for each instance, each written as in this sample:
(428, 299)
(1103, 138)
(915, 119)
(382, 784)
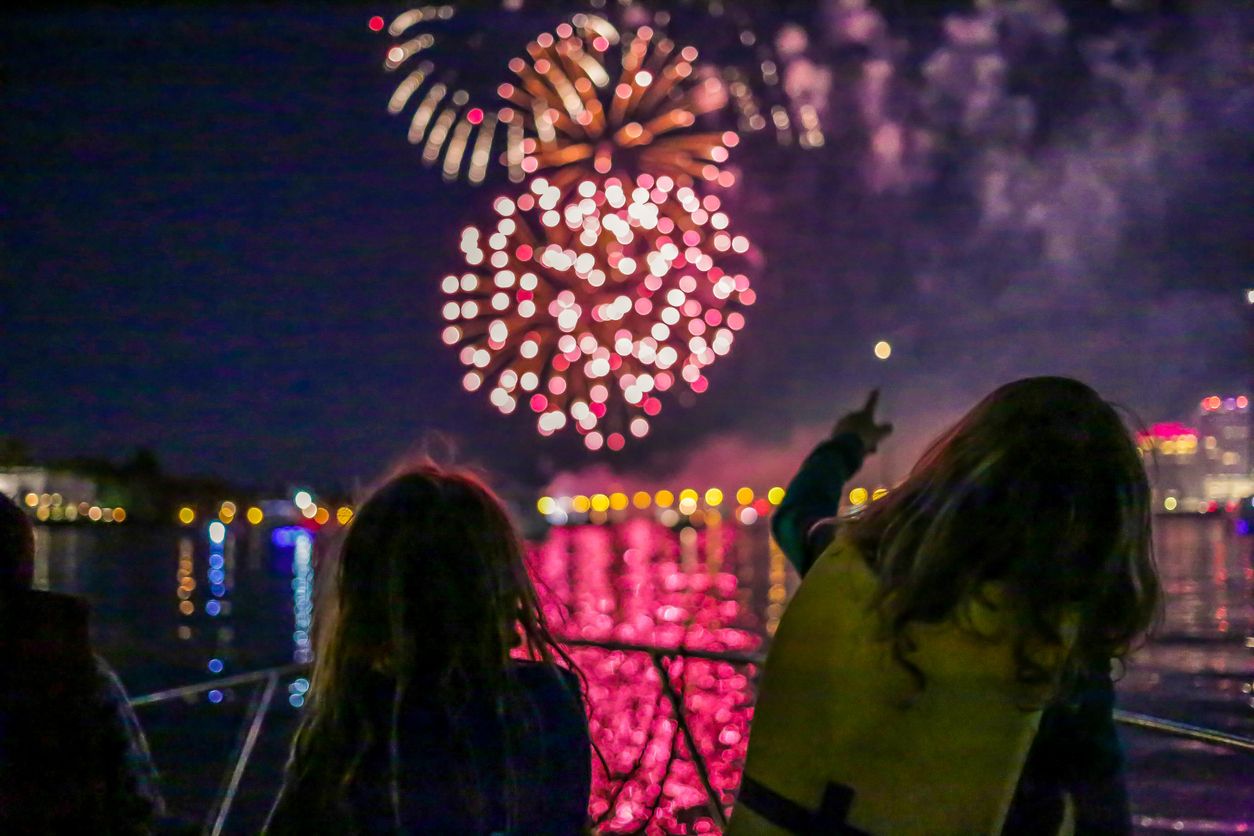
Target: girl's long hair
(1040, 490)
(430, 592)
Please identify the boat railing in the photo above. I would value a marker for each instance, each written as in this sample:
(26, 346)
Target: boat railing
(267, 680)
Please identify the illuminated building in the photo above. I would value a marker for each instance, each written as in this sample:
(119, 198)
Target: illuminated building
(1171, 453)
(1224, 439)
(68, 488)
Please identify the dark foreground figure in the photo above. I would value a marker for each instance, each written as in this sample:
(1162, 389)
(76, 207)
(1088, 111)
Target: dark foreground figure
(909, 673)
(420, 721)
(72, 756)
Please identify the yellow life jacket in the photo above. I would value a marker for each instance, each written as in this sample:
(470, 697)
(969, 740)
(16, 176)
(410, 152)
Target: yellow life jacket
(835, 710)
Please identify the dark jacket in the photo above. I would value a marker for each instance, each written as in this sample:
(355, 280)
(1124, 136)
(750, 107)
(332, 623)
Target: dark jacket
(72, 757)
(439, 754)
(1076, 751)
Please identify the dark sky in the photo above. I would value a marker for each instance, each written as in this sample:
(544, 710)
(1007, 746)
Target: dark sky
(217, 243)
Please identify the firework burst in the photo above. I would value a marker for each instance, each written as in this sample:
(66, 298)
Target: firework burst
(758, 52)
(452, 65)
(594, 102)
(563, 107)
(587, 305)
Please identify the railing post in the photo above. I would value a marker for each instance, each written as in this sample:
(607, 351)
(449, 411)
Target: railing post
(1185, 730)
(716, 805)
(211, 684)
(253, 721)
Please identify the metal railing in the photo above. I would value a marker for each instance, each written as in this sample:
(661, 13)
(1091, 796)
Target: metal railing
(263, 699)
(250, 729)
(1199, 734)
(212, 684)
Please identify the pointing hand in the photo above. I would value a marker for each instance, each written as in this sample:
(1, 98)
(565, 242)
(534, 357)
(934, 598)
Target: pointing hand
(862, 423)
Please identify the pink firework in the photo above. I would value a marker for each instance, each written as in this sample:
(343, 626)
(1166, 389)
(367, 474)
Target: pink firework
(587, 303)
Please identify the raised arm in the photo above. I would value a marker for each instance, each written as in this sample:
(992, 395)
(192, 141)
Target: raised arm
(813, 495)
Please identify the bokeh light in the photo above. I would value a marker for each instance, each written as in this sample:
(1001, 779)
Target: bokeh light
(641, 583)
(593, 106)
(302, 596)
(586, 310)
(583, 97)
(459, 119)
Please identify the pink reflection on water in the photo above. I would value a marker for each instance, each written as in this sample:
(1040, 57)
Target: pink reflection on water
(639, 582)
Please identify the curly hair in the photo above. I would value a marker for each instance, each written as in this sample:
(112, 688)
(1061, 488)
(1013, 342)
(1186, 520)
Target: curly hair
(1040, 493)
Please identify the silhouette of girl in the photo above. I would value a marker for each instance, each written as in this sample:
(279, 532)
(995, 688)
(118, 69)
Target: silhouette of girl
(909, 673)
(420, 720)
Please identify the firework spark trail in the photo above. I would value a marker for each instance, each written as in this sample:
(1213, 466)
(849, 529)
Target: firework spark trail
(592, 107)
(599, 92)
(458, 120)
(588, 307)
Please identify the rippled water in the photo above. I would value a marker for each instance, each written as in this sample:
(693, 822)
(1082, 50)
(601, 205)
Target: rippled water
(154, 592)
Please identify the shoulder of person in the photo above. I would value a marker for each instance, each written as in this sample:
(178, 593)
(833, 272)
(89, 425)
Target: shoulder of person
(842, 563)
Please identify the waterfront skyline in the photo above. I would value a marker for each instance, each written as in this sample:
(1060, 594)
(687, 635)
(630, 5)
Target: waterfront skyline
(216, 245)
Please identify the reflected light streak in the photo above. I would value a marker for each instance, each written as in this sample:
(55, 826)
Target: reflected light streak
(626, 584)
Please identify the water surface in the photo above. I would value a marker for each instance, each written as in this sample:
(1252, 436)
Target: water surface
(173, 606)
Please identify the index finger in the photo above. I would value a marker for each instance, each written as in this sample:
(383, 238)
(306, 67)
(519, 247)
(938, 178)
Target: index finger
(871, 400)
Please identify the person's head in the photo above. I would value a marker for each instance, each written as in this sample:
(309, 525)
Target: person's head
(430, 580)
(429, 593)
(1040, 489)
(17, 546)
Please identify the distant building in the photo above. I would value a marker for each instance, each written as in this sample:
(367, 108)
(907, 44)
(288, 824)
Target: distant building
(1174, 466)
(1224, 425)
(49, 494)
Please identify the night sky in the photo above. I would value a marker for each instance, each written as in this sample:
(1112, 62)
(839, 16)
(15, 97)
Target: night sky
(217, 243)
